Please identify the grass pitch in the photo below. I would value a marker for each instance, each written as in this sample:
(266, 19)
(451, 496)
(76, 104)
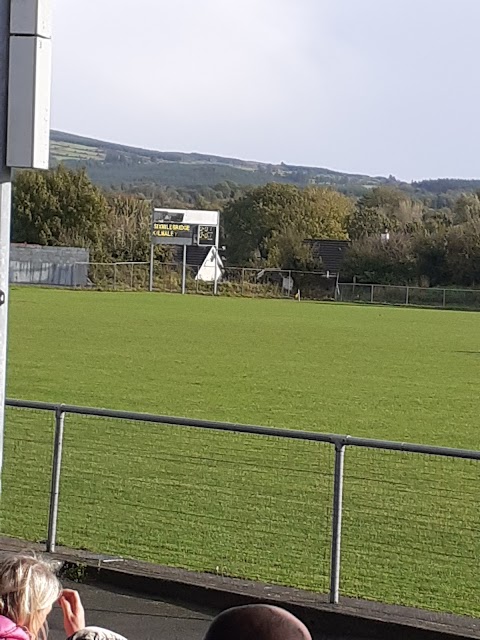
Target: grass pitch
(246, 506)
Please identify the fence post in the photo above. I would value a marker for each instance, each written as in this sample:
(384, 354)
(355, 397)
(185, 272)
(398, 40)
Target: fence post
(407, 297)
(243, 280)
(55, 485)
(371, 294)
(131, 277)
(337, 523)
(114, 276)
(444, 298)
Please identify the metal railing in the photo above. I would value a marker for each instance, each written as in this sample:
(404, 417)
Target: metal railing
(218, 479)
(408, 296)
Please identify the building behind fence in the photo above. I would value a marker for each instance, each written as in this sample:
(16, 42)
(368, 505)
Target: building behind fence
(53, 266)
(385, 521)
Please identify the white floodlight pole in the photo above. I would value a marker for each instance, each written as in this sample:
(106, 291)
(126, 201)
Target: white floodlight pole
(5, 207)
(25, 78)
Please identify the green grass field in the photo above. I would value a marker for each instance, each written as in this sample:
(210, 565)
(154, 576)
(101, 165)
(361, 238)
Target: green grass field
(246, 506)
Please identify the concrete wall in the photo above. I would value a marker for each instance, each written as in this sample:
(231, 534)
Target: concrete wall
(56, 266)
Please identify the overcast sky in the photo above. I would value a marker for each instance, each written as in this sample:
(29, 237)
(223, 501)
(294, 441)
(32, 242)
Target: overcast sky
(368, 86)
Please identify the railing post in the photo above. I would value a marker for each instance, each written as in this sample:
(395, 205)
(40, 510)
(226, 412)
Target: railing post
(371, 294)
(444, 302)
(55, 485)
(407, 297)
(243, 281)
(337, 523)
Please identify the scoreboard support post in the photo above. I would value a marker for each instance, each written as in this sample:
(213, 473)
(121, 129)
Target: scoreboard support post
(152, 250)
(215, 283)
(184, 269)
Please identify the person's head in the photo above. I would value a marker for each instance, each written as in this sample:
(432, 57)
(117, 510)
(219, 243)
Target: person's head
(28, 589)
(96, 633)
(259, 622)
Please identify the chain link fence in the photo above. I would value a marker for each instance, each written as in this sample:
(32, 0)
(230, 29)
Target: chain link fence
(266, 283)
(411, 529)
(465, 299)
(26, 474)
(235, 281)
(197, 499)
(383, 521)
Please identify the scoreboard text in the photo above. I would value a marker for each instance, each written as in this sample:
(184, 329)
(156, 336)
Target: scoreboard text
(206, 235)
(170, 230)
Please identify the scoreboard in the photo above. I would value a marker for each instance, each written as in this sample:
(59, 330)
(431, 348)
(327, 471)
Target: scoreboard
(184, 227)
(188, 227)
(206, 235)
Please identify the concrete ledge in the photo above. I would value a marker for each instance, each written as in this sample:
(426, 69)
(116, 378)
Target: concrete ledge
(357, 618)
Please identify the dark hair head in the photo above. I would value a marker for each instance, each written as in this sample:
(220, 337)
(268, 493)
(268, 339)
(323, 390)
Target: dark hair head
(257, 622)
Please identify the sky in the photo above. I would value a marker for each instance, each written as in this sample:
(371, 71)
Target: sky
(376, 87)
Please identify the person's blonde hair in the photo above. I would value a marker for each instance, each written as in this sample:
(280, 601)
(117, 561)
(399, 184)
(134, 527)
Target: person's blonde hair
(28, 586)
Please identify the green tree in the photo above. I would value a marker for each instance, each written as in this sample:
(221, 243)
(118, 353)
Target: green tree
(431, 251)
(385, 209)
(372, 260)
(366, 222)
(463, 254)
(269, 224)
(128, 231)
(467, 208)
(58, 207)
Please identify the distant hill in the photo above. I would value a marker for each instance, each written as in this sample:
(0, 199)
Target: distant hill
(114, 165)
(111, 164)
(447, 185)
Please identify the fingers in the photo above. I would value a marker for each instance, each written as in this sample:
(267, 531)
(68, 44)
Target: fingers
(73, 611)
(71, 596)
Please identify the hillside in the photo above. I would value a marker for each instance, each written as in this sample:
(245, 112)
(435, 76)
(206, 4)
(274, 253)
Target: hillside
(114, 165)
(111, 164)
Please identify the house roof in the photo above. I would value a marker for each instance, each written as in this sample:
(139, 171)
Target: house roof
(331, 252)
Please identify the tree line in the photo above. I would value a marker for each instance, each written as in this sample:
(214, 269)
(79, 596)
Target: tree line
(399, 240)
(396, 236)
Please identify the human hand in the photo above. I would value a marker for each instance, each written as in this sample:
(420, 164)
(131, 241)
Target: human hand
(73, 611)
